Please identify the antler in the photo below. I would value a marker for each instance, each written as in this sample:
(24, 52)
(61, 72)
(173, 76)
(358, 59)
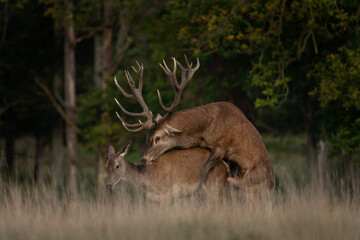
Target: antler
(137, 95)
(186, 75)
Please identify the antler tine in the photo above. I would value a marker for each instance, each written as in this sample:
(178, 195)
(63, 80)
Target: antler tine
(137, 95)
(166, 67)
(140, 73)
(139, 66)
(132, 130)
(122, 90)
(171, 74)
(137, 63)
(197, 64)
(173, 81)
(186, 61)
(184, 71)
(186, 75)
(129, 113)
(180, 66)
(134, 69)
(128, 124)
(135, 92)
(130, 80)
(185, 78)
(167, 109)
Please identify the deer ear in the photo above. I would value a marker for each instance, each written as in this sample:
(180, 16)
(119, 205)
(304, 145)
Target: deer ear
(125, 150)
(171, 130)
(158, 118)
(110, 150)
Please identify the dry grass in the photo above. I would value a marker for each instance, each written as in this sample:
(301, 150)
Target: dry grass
(297, 210)
(27, 213)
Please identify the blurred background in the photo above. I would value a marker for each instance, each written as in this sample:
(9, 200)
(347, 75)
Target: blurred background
(293, 68)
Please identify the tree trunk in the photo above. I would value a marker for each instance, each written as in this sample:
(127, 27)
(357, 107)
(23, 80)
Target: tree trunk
(70, 106)
(57, 155)
(57, 140)
(98, 60)
(317, 159)
(351, 175)
(108, 33)
(311, 155)
(9, 157)
(322, 162)
(101, 173)
(39, 160)
(107, 63)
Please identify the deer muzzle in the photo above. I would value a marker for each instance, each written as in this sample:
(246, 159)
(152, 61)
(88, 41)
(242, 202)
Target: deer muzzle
(146, 161)
(110, 186)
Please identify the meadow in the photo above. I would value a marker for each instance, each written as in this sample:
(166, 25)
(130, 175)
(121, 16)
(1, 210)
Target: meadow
(298, 209)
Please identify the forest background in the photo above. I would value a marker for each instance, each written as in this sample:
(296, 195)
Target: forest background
(293, 68)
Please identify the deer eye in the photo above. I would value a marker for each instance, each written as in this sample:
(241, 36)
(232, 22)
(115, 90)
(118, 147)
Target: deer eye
(156, 140)
(117, 166)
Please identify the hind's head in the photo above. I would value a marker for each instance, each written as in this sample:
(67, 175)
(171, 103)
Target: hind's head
(115, 166)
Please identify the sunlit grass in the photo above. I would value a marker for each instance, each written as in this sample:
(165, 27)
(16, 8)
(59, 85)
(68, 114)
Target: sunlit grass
(298, 209)
(307, 213)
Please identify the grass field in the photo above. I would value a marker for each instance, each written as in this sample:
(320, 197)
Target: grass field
(297, 210)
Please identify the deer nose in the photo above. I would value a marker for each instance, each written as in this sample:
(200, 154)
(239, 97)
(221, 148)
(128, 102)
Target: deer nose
(146, 161)
(109, 186)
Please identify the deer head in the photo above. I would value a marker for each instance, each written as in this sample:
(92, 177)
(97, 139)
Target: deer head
(162, 135)
(115, 165)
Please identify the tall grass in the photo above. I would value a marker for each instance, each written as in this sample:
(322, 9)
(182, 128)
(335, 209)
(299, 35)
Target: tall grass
(293, 213)
(298, 209)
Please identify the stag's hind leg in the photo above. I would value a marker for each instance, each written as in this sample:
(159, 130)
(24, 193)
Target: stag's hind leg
(258, 182)
(215, 158)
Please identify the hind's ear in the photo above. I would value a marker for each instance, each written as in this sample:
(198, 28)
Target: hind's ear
(110, 150)
(125, 149)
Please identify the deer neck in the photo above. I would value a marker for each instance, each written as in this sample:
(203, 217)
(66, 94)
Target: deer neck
(196, 120)
(135, 175)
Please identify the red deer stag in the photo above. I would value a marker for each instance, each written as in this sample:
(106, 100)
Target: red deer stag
(174, 174)
(220, 127)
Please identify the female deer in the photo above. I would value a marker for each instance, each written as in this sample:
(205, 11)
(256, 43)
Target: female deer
(174, 174)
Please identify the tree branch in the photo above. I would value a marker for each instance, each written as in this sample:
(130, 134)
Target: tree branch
(93, 32)
(265, 126)
(55, 104)
(121, 55)
(7, 106)
(314, 41)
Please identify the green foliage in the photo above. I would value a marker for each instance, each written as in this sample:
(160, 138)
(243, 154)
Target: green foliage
(85, 12)
(338, 78)
(97, 118)
(272, 33)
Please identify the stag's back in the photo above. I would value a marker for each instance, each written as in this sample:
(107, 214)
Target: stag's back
(235, 133)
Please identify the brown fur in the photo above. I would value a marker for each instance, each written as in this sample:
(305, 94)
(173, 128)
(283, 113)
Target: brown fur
(173, 174)
(220, 127)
